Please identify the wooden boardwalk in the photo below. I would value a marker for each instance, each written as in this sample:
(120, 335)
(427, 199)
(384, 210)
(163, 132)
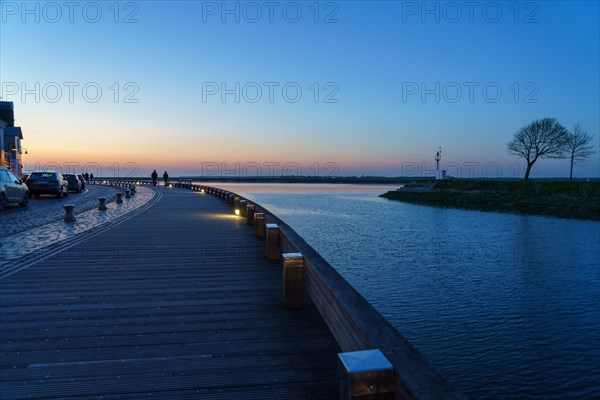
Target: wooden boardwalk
(178, 302)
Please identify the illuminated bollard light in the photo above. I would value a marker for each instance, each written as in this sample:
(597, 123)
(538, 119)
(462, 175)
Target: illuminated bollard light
(127, 193)
(272, 231)
(259, 225)
(293, 280)
(69, 217)
(365, 374)
(250, 214)
(236, 203)
(102, 203)
(119, 198)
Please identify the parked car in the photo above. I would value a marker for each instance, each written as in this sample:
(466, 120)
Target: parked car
(47, 182)
(80, 177)
(12, 189)
(73, 182)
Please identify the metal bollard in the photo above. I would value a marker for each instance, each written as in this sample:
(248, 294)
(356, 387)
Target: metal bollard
(259, 225)
(250, 214)
(133, 189)
(272, 242)
(293, 280)
(102, 203)
(366, 374)
(127, 193)
(69, 217)
(119, 198)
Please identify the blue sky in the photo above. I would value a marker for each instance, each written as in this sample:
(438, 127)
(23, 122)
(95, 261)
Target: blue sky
(383, 84)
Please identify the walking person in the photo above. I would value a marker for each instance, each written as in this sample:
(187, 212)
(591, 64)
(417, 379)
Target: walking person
(154, 177)
(166, 178)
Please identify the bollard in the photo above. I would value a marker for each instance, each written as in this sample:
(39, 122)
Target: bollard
(119, 199)
(250, 214)
(243, 205)
(127, 193)
(272, 242)
(236, 203)
(102, 203)
(293, 280)
(365, 374)
(259, 225)
(133, 189)
(69, 217)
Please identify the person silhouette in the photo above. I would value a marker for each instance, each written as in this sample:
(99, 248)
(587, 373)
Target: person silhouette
(166, 178)
(154, 177)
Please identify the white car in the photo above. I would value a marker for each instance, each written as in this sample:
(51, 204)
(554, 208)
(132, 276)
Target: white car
(12, 189)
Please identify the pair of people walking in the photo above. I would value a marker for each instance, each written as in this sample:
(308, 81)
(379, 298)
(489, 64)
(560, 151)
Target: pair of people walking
(154, 177)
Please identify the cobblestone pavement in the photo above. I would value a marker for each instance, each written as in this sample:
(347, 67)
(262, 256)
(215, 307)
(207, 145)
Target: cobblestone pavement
(16, 248)
(48, 209)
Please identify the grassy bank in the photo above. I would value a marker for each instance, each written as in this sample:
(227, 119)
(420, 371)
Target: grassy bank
(576, 199)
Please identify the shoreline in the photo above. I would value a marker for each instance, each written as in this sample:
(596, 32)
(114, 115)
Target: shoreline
(564, 199)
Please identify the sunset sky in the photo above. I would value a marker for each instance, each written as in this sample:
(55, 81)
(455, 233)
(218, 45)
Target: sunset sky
(335, 88)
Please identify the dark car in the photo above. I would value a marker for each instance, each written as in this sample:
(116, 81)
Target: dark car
(47, 182)
(80, 177)
(12, 189)
(74, 184)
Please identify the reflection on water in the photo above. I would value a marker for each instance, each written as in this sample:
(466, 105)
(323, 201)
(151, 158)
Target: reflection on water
(505, 305)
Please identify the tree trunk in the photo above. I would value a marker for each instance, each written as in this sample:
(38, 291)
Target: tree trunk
(571, 173)
(528, 170)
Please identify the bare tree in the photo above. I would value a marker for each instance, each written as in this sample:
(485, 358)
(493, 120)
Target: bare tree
(544, 138)
(578, 146)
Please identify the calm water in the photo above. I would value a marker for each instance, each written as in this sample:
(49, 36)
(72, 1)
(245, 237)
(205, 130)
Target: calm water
(505, 305)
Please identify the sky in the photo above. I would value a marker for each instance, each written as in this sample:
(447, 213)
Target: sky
(330, 88)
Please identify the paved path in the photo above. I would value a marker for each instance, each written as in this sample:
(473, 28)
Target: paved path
(20, 249)
(177, 302)
(47, 209)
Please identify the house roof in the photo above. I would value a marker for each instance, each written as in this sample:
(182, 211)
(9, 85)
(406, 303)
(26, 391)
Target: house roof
(13, 131)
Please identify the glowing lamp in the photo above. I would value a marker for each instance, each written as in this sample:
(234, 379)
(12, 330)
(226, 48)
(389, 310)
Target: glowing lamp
(237, 211)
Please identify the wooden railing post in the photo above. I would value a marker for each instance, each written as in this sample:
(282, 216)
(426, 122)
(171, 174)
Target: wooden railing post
(366, 374)
(272, 242)
(293, 280)
(243, 205)
(250, 214)
(259, 225)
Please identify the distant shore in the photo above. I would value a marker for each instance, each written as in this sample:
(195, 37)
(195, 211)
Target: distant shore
(312, 179)
(577, 199)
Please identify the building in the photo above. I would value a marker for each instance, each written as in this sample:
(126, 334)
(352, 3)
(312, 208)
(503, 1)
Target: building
(2, 160)
(11, 149)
